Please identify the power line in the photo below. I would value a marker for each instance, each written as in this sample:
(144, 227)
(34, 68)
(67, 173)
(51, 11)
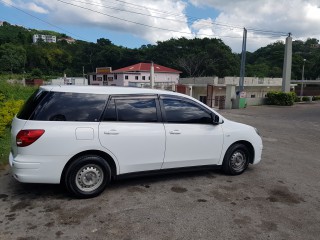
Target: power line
(41, 19)
(195, 19)
(137, 6)
(142, 24)
(160, 17)
(271, 33)
(259, 31)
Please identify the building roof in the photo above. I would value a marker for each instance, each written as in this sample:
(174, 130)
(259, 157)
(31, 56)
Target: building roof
(145, 67)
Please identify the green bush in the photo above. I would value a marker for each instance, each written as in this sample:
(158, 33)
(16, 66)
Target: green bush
(12, 97)
(2, 98)
(36, 73)
(7, 111)
(305, 99)
(297, 99)
(280, 98)
(315, 98)
(15, 91)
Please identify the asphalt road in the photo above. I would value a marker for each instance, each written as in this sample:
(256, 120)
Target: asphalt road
(276, 199)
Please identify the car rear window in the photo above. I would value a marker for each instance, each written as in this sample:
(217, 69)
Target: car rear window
(61, 106)
(31, 104)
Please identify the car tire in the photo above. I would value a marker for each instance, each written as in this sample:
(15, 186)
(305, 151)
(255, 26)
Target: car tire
(87, 176)
(236, 159)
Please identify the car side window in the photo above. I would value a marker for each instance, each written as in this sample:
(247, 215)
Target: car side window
(131, 110)
(180, 111)
(110, 113)
(65, 106)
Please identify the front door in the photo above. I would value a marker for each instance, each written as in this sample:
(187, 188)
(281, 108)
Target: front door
(191, 137)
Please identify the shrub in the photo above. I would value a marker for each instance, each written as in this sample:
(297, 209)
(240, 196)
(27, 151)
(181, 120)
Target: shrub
(315, 98)
(7, 111)
(15, 91)
(2, 98)
(280, 98)
(297, 99)
(305, 99)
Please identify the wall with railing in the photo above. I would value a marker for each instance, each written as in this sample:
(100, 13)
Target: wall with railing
(248, 81)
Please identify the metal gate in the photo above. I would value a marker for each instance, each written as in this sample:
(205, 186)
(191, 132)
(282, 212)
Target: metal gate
(181, 88)
(220, 101)
(209, 95)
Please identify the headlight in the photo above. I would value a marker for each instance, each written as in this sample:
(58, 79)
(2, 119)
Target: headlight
(257, 131)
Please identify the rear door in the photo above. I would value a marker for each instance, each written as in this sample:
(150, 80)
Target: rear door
(132, 130)
(191, 137)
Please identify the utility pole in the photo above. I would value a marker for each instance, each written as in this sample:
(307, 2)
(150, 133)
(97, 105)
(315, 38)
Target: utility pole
(302, 78)
(243, 60)
(84, 79)
(240, 102)
(152, 75)
(287, 63)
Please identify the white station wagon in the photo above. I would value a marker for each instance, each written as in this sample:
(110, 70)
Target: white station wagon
(85, 136)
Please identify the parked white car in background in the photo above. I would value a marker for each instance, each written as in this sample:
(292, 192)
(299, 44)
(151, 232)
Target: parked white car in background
(84, 136)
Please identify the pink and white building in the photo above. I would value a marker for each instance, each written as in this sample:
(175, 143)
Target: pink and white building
(137, 75)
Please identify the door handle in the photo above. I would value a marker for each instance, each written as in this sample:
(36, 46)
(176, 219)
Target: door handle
(175, 132)
(111, 132)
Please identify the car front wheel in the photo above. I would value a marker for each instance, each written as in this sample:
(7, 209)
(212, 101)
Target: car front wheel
(236, 159)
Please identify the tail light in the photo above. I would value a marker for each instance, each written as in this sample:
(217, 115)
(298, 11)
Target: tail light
(27, 137)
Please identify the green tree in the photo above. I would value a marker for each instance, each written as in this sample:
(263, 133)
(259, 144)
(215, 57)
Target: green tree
(12, 58)
(36, 73)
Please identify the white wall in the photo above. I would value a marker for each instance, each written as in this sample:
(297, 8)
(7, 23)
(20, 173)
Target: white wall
(73, 81)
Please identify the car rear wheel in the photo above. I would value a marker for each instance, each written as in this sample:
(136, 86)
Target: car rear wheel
(236, 159)
(87, 176)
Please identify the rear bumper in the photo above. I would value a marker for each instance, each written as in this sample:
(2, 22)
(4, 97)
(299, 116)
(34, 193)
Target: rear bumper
(37, 169)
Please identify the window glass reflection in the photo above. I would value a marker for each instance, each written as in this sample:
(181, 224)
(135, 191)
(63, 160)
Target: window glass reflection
(178, 111)
(136, 110)
(71, 107)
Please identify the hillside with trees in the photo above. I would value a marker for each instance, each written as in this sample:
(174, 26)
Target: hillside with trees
(194, 57)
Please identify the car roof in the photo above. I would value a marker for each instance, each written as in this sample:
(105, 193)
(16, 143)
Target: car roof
(106, 90)
(114, 90)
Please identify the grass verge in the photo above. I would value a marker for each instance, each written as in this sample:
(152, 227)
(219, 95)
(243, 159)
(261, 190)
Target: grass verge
(5, 148)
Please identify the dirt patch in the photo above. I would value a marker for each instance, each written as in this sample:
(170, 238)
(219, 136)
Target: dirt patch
(49, 224)
(74, 216)
(51, 208)
(243, 221)
(178, 189)
(268, 226)
(58, 234)
(283, 195)
(222, 197)
(19, 206)
(136, 189)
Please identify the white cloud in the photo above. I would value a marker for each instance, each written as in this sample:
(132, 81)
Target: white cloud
(35, 8)
(31, 6)
(203, 28)
(121, 17)
(300, 17)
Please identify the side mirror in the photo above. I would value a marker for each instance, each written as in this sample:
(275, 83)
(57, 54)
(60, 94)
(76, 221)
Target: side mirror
(215, 119)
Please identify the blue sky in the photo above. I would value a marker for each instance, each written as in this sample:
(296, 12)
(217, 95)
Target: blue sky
(122, 21)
